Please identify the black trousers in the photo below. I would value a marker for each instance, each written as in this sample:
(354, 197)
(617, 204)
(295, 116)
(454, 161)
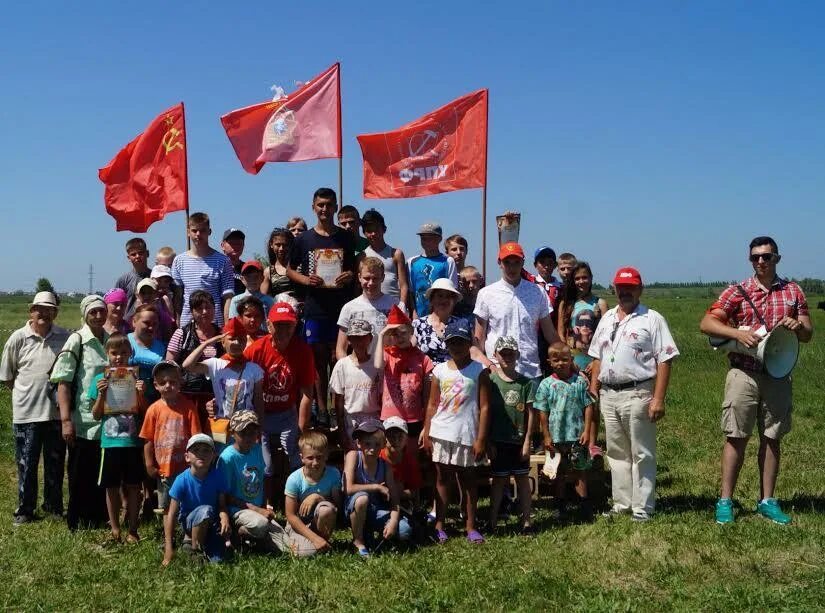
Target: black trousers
(87, 501)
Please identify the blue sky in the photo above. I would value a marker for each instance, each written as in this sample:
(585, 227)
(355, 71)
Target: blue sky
(663, 135)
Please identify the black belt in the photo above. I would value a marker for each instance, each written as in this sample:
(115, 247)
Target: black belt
(618, 387)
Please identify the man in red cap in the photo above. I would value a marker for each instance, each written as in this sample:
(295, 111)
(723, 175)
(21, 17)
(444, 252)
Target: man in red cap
(632, 347)
(513, 306)
(289, 378)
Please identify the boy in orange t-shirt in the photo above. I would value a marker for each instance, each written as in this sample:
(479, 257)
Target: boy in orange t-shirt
(168, 424)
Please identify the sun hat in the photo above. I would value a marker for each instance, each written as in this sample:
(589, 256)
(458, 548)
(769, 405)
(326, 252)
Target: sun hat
(47, 299)
(442, 284)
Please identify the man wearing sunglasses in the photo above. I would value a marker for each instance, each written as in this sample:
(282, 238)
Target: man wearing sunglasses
(752, 398)
(632, 350)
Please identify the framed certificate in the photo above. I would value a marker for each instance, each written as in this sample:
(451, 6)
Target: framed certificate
(508, 227)
(329, 264)
(121, 395)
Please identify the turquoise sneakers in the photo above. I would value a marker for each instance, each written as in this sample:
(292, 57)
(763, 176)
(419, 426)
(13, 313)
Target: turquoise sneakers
(770, 508)
(724, 511)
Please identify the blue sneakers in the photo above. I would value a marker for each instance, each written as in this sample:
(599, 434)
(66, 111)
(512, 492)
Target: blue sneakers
(724, 511)
(769, 508)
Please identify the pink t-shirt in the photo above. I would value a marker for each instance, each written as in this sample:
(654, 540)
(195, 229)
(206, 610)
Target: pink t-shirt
(404, 373)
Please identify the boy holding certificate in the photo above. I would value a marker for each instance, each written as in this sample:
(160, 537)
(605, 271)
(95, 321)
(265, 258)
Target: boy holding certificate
(117, 396)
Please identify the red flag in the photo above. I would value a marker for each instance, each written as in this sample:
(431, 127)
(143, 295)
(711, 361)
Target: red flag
(147, 178)
(304, 125)
(442, 151)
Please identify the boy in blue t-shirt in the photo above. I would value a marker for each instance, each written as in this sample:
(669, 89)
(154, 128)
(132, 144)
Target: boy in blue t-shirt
(243, 467)
(312, 496)
(197, 496)
(424, 269)
(121, 456)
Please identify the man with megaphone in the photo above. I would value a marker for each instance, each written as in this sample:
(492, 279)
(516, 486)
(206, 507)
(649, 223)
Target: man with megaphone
(747, 313)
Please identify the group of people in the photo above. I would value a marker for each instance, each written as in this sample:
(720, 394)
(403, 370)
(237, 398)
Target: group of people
(414, 367)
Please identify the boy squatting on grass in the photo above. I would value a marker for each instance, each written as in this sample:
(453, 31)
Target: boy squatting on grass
(372, 493)
(312, 497)
(242, 464)
(197, 500)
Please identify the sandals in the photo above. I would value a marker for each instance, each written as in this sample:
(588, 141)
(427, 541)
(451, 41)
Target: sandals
(363, 552)
(441, 536)
(474, 537)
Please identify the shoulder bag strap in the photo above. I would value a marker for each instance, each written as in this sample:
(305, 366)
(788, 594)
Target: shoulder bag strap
(753, 306)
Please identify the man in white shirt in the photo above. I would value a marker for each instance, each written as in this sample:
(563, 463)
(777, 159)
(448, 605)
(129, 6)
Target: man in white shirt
(632, 347)
(513, 306)
(27, 359)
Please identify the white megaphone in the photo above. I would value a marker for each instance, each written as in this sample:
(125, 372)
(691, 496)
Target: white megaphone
(778, 350)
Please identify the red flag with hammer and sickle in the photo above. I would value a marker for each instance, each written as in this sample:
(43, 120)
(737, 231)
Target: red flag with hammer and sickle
(147, 178)
(440, 152)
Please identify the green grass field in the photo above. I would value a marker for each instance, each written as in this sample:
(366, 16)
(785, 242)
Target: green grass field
(680, 560)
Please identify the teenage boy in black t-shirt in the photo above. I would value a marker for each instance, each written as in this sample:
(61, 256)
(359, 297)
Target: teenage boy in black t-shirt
(323, 302)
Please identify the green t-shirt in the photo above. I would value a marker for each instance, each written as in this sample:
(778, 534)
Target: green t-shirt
(509, 403)
(116, 430)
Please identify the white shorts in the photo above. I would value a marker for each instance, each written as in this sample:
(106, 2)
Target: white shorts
(453, 454)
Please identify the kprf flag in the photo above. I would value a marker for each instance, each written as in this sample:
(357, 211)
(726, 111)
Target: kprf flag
(442, 151)
(147, 178)
(304, 125)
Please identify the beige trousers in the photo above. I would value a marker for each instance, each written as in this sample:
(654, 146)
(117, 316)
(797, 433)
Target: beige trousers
(631, 447)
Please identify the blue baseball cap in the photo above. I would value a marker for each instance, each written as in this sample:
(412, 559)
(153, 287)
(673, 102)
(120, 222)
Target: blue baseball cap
(458, 328)
(544, 250)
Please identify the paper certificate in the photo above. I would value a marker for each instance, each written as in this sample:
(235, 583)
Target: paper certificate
(329, 264)
(508, 227)
(121, 395)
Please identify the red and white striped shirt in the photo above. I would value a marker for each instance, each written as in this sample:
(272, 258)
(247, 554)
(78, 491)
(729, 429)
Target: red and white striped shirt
(783, 299)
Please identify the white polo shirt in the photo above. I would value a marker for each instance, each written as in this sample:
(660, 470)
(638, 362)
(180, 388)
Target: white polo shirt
(514, 311)
(27, 358)
(640, 343)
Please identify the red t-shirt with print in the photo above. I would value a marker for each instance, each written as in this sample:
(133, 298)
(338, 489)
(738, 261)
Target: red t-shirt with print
(284, 373)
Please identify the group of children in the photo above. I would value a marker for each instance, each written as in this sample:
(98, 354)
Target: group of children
(402, 418)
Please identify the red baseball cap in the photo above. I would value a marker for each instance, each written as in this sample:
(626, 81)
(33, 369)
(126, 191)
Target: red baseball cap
(234, 328)
(510, 249)
(627, 276)
(282, 312)
(253, 264)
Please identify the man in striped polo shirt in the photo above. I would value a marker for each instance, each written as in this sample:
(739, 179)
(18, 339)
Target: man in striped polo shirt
(201, 267)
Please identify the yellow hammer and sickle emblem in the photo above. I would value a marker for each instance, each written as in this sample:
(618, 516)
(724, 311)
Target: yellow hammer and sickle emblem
(171, 140)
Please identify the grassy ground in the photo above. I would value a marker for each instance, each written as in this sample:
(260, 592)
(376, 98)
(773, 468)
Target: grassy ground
(680, 560)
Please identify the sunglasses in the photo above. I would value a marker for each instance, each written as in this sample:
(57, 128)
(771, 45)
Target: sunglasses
(767, 257)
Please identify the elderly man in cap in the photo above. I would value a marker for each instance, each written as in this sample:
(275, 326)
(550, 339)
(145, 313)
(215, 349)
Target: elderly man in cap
(513, 306)
(232, 245)
(28, 356)
(752, 397)
(632, 349)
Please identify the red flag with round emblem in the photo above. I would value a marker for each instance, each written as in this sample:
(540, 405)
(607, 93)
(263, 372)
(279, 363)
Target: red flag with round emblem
(147, 178)
(304, 125)
(442, 151)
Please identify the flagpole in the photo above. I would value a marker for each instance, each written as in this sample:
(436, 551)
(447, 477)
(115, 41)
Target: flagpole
(340, 147)
(186, 169)
(484, 192)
